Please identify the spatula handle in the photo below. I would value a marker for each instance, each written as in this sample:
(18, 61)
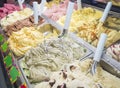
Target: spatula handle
(20, 2)
(68, 15)
(106, 11)
(35, 8)
(100, 47)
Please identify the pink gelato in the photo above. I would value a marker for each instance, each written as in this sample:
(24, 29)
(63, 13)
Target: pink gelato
(57, 11)
(114, 51)
(7, 9)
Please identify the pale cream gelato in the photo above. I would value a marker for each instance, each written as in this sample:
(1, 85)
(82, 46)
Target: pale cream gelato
(15, 16)
(75, 75)
(21, 41)
(49, 56)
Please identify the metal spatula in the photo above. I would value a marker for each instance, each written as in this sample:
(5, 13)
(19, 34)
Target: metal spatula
(20, 2)
(98, 52)
(101, 21)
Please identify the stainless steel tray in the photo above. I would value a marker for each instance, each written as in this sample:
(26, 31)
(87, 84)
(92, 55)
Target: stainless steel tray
(107, 60)
(88, 51)
(23, 74)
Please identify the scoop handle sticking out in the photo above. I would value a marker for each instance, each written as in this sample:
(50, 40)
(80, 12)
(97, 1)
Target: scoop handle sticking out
(35, 8)
(79, 4)
(42, 4)
(106, 11)
(100, 47)
(98, 52)
(68, 18)
(68, 15)
(20, 2)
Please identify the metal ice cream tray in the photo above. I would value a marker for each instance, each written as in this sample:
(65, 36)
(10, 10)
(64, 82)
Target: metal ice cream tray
(115, 65)
(88, 51)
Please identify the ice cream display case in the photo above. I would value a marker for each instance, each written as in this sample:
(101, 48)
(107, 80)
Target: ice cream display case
(54, 51)
(34, 57)
(13, 77)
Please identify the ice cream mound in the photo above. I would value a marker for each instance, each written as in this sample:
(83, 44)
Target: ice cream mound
(8, 9)
(91, 33)
(85, 22)
(28, 22)
(15, 16)
(75, 75)
(86, 15)
(53, 2)
(57, 11)
(114, 51)
(49, 56)
(20, 42)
